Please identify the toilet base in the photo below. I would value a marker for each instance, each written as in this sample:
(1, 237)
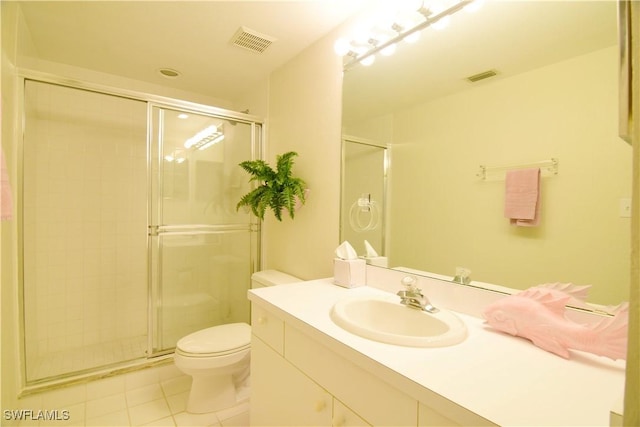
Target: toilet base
(211, 393)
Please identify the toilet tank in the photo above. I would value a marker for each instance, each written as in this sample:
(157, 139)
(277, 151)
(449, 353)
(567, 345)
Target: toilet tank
(260, 279)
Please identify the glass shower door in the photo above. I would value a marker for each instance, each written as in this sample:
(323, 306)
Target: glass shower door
(202, 249)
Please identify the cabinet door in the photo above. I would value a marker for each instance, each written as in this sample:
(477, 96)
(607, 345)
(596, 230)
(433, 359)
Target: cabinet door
(345, 417)
(281, 395)
(373, 399)
(447, 414)
(429, 417)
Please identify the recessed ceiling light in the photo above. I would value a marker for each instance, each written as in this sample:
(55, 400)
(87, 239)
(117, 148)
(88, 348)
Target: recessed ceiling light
(183, 116)
(169, 73)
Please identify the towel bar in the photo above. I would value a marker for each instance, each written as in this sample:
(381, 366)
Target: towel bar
(550, 166)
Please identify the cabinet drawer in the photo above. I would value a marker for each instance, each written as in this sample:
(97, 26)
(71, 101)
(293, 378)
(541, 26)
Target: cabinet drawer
(268, 327)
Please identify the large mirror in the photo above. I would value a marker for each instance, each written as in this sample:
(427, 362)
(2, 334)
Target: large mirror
(553, 98)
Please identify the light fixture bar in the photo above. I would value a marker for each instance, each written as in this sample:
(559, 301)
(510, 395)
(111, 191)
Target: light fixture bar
(210, 141)
(429, 21)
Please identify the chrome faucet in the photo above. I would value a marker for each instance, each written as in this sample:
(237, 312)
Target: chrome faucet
(412, 297)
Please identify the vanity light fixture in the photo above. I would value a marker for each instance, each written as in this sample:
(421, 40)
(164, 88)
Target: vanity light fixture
(363, 50)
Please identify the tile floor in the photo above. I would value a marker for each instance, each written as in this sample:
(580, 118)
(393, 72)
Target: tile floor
(149, 397)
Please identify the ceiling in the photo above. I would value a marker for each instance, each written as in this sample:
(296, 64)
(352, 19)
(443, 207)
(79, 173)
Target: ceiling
(135, 39)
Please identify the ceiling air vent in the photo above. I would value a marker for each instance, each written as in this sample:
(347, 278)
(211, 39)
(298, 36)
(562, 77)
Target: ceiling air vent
(251, 40)
(482, 76)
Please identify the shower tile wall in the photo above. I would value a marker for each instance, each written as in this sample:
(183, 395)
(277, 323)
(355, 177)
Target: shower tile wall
(85, 218)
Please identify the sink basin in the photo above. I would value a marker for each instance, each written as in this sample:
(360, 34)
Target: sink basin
(386, 320)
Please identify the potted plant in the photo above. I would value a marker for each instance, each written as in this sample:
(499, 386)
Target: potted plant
(278, 189)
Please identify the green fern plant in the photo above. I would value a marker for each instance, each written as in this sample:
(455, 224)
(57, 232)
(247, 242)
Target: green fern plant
(279, 190)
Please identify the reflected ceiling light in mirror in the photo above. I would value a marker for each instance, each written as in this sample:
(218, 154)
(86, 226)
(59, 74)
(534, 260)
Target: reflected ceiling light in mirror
(205, 138)
(406, 25)
(216, 138)
(176, 156)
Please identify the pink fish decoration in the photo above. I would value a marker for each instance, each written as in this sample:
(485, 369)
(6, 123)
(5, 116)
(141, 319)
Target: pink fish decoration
(538, 314)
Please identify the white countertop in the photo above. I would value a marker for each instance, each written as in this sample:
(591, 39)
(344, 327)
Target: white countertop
(506, 380)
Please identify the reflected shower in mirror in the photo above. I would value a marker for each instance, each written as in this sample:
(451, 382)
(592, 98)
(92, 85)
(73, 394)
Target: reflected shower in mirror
(363, 195)
(551, 93)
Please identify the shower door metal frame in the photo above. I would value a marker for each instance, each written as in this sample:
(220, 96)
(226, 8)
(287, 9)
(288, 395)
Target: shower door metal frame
(23, 75)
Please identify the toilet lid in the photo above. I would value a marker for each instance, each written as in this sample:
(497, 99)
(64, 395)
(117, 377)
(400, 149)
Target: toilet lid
(217, 339)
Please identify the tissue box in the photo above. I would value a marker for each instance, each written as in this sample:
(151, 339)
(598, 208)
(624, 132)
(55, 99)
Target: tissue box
(349, 273)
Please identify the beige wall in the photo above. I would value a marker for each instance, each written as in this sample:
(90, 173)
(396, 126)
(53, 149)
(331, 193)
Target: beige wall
(556, 111)
(304, 116)
(632, 384)
(8, 271)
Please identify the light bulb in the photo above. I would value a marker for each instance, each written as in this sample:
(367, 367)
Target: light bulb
(361, 35)
(410, 5)
(413, 37)
(368, 60)
(441, 23)
(389, 50)
(410, 19)
(342, 46)
(385, 13)
(436, 6)
(474, 6)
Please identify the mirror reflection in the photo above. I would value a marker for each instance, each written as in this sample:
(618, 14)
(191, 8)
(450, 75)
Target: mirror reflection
(553, 96)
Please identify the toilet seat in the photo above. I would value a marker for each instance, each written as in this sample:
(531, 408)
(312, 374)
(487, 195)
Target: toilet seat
(216, 341)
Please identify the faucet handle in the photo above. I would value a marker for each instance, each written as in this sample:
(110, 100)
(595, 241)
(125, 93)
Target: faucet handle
(410, 283)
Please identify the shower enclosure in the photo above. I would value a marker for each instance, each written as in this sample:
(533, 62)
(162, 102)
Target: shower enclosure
(129, 232)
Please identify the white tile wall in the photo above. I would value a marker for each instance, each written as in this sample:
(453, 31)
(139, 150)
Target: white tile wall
(85, 228)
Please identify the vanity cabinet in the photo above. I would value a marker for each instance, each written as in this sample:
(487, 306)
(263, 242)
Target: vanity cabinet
(282, 395)
(295, 380)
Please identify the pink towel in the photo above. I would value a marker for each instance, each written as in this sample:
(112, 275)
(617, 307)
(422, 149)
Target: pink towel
(6, 201)
(522, 197)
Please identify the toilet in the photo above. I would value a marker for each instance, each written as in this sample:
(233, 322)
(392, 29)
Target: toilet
(217, 358)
